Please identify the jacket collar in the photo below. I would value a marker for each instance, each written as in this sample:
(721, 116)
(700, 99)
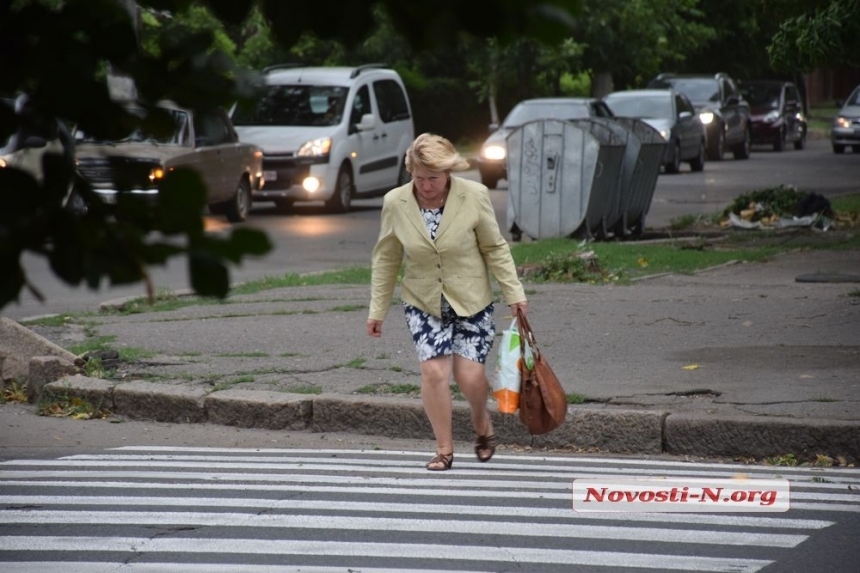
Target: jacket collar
(453, 204)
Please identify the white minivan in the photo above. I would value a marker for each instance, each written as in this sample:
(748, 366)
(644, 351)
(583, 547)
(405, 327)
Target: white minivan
(328, 134)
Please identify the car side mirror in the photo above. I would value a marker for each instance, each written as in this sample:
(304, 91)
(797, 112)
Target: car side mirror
(34, 142)
(368, 122)
(733, 100)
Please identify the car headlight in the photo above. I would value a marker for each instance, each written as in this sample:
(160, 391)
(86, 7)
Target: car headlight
(842, 122)
(156, 174)
(665, 133)
(706, 117)
(3, 162)
(315, 147)
(771, 117)
(494, 152)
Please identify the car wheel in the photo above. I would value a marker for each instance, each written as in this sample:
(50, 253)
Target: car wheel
(742, 151)
(779, 142)
(342, 198)
(838, 149)
(698, 162)
(675, 165)
(238, 208)
(717, 149)
(800, 143)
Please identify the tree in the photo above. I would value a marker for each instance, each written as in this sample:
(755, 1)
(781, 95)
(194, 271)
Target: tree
(62, 53)
(628, 41)
(825, 34)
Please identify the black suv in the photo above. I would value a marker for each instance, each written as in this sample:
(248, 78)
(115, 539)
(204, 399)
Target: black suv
(721, 106)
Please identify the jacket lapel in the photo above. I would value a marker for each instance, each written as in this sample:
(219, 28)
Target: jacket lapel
(453, 206)
(412, 212)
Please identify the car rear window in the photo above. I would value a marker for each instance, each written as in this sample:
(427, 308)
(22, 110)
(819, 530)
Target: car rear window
(564, 111)
(697, 89)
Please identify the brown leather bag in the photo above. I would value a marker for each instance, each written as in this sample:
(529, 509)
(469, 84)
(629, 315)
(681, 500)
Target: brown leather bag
(543, 403)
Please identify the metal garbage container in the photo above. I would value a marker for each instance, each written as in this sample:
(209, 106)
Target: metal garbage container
(604, 201)
(643, 179)
(551, 168)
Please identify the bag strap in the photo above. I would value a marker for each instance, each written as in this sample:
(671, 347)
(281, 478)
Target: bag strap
(526, 335)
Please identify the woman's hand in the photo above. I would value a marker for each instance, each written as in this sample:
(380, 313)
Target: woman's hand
(523, 306)
(374, 328)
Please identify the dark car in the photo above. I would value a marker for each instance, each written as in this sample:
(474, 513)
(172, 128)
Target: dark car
(492, 160)
(846, 125)
(670, 113)
(776, 112)
(721, 106)
(205, 143)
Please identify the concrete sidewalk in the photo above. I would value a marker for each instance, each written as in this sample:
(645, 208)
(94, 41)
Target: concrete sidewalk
(741, 360)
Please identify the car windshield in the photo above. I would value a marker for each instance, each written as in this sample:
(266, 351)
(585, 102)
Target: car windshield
(641, 106)
(762, 95)
(179, 135)
(696, 89)
(524, 113)
(854, 98)
(293, 105)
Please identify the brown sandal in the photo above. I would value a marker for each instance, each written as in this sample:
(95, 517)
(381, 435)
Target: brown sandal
(485, 445)
(441, 461)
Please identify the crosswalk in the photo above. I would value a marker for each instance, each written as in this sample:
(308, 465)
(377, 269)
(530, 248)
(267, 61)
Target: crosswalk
(166, 510)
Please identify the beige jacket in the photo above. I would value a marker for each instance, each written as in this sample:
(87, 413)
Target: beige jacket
(468, 247)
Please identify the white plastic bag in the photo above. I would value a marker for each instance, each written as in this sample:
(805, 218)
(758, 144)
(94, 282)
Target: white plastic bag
(507, 379)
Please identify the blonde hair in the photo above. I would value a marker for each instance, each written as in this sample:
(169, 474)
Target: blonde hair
(434, 153)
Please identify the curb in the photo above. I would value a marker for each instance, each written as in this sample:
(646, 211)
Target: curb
(642, 432)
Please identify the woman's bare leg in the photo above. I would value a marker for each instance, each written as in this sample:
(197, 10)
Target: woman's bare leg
(436, 397)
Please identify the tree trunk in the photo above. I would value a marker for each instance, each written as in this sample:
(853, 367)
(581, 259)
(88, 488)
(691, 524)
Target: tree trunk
(601, 84)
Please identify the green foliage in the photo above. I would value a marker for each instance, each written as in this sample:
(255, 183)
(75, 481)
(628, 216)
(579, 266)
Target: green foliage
(826, 34)
(780, 200)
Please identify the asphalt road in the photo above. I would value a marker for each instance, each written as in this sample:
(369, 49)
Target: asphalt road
(310, 240)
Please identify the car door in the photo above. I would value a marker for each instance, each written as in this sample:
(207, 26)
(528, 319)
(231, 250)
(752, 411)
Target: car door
(689, 126)
(735, 125)
(214, 149)
(397, 131)
(366, 143)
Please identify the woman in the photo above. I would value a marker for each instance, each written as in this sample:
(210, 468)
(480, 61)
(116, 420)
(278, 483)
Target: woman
(446, 228)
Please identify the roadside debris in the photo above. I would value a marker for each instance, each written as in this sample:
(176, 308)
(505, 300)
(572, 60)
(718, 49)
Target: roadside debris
(779, 207)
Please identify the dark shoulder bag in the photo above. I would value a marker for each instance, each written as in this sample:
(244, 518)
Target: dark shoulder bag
(543, 403)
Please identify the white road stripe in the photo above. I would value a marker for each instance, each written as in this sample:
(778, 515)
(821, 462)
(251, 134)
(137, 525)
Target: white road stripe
(573, 465)
(383, 550)
(101, 567)
(698, 519)
(329, 523)
(417, 487)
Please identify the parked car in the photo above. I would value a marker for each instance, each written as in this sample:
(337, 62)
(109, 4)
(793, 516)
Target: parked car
(846, 124)
(776, 112)
(670, 113)
(721, 106)
(328, 133)
(492, 159)
(206, 143)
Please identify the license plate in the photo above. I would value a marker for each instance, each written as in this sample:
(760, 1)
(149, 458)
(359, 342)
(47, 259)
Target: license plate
(270, 175)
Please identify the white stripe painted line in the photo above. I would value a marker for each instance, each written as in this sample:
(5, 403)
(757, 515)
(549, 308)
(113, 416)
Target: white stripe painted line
(330, 523)
(698, 519)
(333, 549)
(106, 567)
(341, 465)
(312, 505)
